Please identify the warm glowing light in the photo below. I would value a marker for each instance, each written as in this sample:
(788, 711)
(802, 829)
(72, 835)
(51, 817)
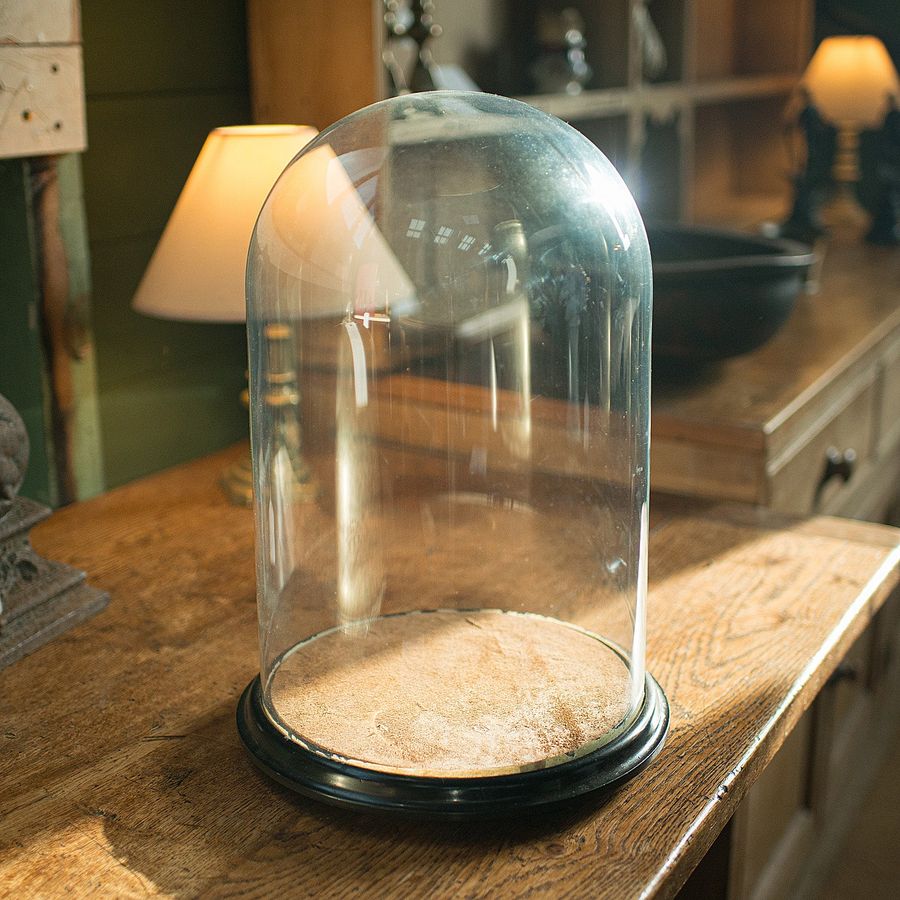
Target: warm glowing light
(197, 270)
(850, 79)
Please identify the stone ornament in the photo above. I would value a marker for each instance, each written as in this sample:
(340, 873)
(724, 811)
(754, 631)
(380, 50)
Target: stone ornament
(13, 454)
(39, 598)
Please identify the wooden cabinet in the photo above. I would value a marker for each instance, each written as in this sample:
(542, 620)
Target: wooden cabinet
(783, 837)
(810, 422)
(772, 831)
(701, 139)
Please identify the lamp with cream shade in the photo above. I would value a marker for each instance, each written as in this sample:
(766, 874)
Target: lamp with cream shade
(197, 271)
(850, 88)
(850, 79)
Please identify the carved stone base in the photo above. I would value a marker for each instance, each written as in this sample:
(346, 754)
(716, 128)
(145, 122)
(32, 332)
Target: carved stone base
(39, 599)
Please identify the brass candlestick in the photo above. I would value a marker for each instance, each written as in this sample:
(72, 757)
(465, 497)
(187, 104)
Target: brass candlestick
(282, 394)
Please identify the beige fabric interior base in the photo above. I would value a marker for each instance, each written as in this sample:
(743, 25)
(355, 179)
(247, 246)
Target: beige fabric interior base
(452, 692)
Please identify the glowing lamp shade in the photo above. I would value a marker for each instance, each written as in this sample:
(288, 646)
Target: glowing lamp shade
(314, 216)
(850, 79)
(197, 270)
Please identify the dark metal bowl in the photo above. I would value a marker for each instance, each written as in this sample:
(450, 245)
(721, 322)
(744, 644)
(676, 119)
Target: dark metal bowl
(718, 294)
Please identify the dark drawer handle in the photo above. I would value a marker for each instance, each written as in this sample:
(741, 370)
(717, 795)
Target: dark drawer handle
(838, 464)
(844, 672)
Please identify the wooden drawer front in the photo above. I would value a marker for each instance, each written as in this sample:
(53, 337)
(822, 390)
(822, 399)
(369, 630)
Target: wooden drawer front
(884, 672)
(773, 826)
(889, 407)
(797, 484)
(849, 682)
(846, 709)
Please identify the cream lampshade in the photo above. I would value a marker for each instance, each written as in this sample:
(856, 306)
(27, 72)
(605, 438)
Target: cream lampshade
(197, 270)
(850, 79)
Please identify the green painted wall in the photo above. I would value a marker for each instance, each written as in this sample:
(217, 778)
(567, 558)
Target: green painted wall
(159, 75)
(21, 357)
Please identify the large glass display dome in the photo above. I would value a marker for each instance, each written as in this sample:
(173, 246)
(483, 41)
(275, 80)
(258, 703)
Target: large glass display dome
(449, 324)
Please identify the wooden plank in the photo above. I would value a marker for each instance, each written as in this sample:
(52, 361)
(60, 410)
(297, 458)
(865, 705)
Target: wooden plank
(87, 452)
(312, 62)
(47, 364)
(54, 304)
(747, 620)
(711, 471)
(40, 22)
(41, 101)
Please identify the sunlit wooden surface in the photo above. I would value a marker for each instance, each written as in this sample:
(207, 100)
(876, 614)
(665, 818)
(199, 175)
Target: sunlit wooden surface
(121, 772)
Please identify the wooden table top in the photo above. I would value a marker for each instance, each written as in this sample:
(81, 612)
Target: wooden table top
(122, 773)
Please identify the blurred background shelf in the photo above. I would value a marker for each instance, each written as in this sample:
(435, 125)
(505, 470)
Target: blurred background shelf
(699, 141)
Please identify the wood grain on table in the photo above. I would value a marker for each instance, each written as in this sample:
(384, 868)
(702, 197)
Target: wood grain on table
(122, 773)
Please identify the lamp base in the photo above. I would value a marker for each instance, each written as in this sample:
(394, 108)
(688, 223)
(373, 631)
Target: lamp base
(344, 784)
(237, 483)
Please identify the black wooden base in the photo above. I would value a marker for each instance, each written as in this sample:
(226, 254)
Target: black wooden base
(343, 784)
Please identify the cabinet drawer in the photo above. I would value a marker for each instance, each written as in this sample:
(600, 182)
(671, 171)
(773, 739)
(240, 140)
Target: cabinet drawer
(889, 406)
(816, 476)
(849, 683)
(845, 706)
(773, 826)
(884, 672)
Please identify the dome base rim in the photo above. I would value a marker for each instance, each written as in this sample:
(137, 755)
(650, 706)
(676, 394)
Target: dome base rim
(347, 785)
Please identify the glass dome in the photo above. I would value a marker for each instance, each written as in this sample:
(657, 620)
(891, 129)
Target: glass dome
(449, 329)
